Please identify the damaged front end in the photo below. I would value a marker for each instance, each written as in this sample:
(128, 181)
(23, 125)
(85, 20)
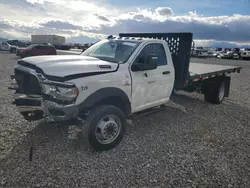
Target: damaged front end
(37, 97)
(27, 93)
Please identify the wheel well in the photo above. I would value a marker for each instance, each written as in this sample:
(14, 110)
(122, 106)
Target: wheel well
(117, 101)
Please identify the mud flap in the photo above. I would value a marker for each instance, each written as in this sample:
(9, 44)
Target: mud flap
(227, 81)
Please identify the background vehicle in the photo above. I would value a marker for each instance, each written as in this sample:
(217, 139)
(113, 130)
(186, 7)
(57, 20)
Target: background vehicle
(36, 50)
(4, 46)
(236, 53)
(63, 46)
(113, 79)
(16, 44)
(245, 54)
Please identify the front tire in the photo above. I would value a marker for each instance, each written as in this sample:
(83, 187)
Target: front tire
(104, 127)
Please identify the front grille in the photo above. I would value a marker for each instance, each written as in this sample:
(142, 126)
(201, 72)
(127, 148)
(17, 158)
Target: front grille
(27, 83)
(27, 102)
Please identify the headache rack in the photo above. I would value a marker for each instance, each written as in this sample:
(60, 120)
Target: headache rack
(180, 45)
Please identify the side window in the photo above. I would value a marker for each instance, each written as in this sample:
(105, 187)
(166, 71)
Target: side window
(156, 49)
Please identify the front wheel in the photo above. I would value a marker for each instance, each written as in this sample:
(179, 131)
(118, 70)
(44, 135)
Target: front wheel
(104, 127)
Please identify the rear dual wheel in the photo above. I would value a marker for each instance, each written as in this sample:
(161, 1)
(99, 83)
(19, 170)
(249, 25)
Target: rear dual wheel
(215, 95)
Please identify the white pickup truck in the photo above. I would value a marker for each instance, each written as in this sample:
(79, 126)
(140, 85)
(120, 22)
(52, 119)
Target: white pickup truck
(5, 46)
(113, 79)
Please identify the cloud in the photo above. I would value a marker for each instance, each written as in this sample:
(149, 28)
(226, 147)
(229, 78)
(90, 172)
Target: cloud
(103, 18)
(141, 17)
(222, 28)
(4, 25)
(164, 11)
(80, 20)
(220, 44)
(193, 13)
(82, 39)
(61, 25)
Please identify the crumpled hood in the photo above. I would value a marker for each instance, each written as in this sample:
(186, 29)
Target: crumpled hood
(65, 65)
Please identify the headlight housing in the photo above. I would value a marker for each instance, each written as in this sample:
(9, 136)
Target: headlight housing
(62, 91)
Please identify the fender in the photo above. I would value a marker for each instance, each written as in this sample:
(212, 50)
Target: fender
(106, 93)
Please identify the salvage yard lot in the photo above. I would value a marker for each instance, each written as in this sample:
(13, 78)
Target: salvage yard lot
(189, 144)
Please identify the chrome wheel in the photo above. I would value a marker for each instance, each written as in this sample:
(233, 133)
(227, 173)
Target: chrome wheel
(222, 92)
(108, 129)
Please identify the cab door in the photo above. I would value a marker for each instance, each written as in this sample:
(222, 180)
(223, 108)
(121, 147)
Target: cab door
(5, 46)
(152, 87)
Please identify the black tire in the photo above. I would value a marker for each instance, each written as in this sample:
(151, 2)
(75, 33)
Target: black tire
(13, 50)
(27, 54)
(217, 95)
(90, 127)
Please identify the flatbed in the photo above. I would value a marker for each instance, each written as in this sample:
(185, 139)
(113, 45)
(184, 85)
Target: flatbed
(202, 71)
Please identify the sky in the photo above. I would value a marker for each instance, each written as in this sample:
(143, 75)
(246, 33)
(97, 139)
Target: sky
(224, 23)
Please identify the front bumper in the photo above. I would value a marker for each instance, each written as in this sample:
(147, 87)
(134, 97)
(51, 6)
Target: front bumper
(36, 104)
(28, 105)
(54, 112)
(25, 103)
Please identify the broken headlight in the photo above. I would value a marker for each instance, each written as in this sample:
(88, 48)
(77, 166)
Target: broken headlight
(64, 92)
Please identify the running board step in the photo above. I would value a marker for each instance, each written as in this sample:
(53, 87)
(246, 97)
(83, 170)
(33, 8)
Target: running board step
(148, 112)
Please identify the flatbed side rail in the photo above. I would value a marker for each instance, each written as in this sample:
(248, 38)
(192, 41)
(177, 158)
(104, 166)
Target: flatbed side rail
(180, 45)
(200, 77)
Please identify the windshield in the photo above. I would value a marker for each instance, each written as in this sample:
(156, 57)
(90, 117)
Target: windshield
(31, 46)
(117, 51)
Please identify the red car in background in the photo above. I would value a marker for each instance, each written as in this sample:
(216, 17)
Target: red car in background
(36, 50)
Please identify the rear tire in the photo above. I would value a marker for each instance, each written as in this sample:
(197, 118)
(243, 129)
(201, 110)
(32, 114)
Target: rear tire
(217, 95)
(13, 50)
(104, 127)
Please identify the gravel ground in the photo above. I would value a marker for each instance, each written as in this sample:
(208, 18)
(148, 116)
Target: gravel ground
(189, 144)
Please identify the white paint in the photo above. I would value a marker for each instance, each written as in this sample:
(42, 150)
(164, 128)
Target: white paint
(63, 65)
(154, 89)
(129, 44)
(4, 46)
(143, 92)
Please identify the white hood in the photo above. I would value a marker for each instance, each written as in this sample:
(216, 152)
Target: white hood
(64, 65)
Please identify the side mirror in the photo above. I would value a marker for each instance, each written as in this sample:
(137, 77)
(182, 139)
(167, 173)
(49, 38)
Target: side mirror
(150, 63)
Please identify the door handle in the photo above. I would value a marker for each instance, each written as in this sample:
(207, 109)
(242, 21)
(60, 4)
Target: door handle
(151, 82)
(166, 72)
